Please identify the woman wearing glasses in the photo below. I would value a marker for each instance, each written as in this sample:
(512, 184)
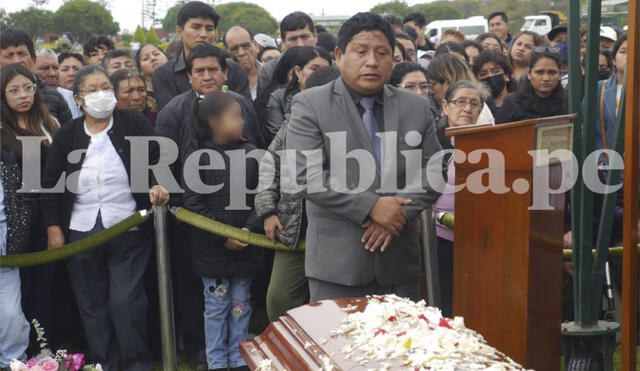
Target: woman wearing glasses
(22, 113)
(410, 76)
(461, 106)
(106, 280)
(540, 93)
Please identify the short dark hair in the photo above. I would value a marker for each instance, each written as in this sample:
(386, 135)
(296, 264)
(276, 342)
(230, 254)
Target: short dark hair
(365, 21)
(196, 9)
(224, 39)
(213, 105)
(618, 44)
(411, 32)
(115, 53)
(67, 54)
(402, 69)
(327, 41)
(498, 58)
(295, 21)
(83, 73)
(467, 43)
(487, 35)
(16, 37)
(124, 74)
(404, 36)
(204, 51)
(500, 14)
(95, 42)
(418, 18)
(322, 76)
(320, 29)
(450, 46)
(393, 19)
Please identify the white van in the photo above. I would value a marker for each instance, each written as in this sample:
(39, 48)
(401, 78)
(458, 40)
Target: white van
(470, 27)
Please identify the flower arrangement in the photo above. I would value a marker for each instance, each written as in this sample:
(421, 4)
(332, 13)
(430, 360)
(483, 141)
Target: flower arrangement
(48, 361)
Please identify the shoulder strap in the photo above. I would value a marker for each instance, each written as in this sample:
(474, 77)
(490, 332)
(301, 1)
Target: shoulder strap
(603, 130)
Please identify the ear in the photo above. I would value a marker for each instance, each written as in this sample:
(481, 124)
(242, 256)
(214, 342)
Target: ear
(298, 71)
(338, 53)
(179, 31)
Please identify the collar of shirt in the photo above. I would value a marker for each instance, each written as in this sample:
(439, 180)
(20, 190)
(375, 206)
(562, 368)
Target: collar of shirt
(89, 133)
(378, 97)
(181, 63)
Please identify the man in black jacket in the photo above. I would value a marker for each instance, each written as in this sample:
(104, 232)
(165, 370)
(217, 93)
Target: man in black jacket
(196, 25)
(16, 47)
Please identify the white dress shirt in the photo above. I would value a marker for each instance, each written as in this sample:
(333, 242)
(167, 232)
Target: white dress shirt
(103, 186)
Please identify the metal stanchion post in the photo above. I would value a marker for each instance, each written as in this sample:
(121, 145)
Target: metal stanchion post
(169, 361)
(430, 254)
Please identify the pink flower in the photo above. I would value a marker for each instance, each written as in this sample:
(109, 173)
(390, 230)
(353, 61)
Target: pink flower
(74, 362)
(48, 364)
(32, 362)
(36, 368)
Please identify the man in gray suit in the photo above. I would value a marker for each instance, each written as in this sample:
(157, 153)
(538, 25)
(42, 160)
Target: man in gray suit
(362, 238)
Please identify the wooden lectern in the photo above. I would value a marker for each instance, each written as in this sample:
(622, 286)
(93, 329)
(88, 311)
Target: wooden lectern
(507, 258)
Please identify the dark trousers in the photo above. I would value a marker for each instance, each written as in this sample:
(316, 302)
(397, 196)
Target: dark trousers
(108, 285)
(445, 272)
(187, 290)
(321, 290)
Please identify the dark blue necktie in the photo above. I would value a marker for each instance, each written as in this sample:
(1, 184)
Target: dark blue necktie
(371, 124)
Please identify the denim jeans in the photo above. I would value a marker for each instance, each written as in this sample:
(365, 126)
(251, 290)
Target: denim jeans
(227, 311)
(14, 328)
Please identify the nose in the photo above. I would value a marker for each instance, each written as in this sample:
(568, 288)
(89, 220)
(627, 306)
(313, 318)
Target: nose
(371, 60)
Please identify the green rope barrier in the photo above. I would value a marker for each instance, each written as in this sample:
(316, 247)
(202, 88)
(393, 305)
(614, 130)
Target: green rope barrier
(227, 231)
(68, 250)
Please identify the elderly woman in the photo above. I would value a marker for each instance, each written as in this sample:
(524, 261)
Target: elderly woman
(106, 280)
(461, 106)
(131, 93)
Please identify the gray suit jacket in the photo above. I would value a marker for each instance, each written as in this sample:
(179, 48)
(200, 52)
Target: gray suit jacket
(334, 252)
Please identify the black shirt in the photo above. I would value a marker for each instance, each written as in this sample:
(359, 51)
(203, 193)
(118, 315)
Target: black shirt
(378, 108)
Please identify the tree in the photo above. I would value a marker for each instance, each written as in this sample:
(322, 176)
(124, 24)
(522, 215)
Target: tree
(397, 7)
(35, 21)
(4, 19)
(251, 15)
(150, 12)
(139, 36)
(84, 18)
(37, 3)
(438, 10)
(152, 37)
(169, 20)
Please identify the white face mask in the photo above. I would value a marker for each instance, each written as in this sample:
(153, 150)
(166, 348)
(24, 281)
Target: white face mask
(100, 104)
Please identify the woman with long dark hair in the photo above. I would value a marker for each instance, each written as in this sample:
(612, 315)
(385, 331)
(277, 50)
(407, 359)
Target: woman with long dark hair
(294, 67)
(540, 93)
(521, 51)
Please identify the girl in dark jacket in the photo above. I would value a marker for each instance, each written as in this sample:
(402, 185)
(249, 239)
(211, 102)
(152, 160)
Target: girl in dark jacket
(225, 265)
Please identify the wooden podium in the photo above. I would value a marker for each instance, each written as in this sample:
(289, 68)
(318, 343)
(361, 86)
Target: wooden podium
(507, 258)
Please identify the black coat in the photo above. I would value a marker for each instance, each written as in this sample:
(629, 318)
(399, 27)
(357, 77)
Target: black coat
(210, 257)
(57, 207)
(171, 79)
(55, 102)
(511, 111)
(18, 207)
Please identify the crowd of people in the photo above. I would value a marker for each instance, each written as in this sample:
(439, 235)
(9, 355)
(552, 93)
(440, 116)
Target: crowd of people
(378, 74)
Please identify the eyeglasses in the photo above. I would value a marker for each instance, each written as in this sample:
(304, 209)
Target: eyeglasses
(416, 87)
(542, 49)
(14, 90)
(461, 103)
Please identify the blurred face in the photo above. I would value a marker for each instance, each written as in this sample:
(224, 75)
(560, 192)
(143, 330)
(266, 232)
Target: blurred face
(438, 89)
(560, 37)
(118, 63)
(309, 68)
(97, 55)
(412, 55)
(397, 55)
(19, 94)
(602, 63)
(607, 44)
(464, 108)
(196, 31)
(301, 37)
(544, 76)
(68, 69)
(490, 69)
(206, 75)
(269, 55)
(240, 44)
(419, 30)
(228, 125)
(621, 59)
(499, 27)
(91, 84)
(522, 49)
(472, 52)
(47, 70)
(131, 94)
(150, 59)
(415, 82)
(17, 54)
(366, 63)
(491, 44)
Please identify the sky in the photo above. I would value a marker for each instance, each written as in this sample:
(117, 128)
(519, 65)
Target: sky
(127, 12)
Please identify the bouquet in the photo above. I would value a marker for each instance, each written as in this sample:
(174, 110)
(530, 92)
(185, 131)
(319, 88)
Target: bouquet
(48, 361)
